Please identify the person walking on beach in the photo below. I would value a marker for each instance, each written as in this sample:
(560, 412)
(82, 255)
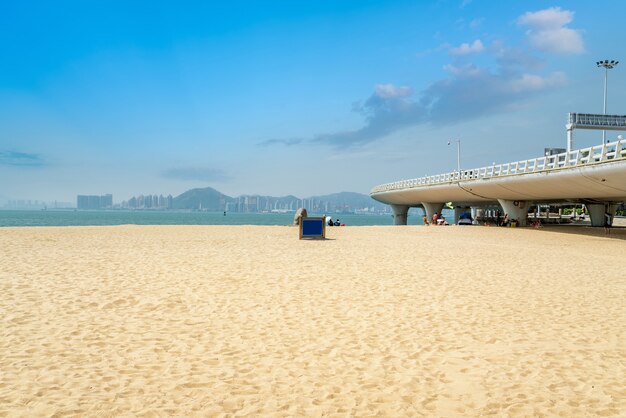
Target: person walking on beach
(435, 218)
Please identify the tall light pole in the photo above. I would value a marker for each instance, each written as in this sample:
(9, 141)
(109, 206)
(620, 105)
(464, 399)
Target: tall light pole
(607, 65)
(458, 154)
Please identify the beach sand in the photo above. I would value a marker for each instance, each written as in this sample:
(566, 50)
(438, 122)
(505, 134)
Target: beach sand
(250, 321)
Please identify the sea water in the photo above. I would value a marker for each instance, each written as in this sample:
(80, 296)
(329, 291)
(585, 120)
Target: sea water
(123, 217)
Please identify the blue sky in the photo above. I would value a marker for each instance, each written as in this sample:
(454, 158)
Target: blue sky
(302, 98)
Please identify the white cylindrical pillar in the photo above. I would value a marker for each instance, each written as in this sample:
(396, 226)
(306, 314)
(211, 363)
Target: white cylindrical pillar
(596, 212)
(515, 209)
(400, 214)
(432, 208)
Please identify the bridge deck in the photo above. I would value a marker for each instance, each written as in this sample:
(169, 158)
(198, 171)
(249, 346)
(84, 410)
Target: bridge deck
(595, 173)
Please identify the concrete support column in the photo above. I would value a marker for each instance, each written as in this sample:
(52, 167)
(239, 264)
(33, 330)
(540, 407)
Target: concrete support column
(596, 212)
(516, 209)
(431, 208)
(400, 214)
(476, 211)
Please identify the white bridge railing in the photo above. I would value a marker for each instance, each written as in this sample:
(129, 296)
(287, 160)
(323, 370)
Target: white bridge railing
(596, 154)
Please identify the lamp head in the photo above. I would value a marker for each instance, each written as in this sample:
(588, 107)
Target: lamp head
(607, 64)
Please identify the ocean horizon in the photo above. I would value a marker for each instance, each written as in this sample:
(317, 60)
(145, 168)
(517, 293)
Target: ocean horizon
(12, 218)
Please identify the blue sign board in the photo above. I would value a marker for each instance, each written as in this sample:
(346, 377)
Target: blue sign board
(312, 228)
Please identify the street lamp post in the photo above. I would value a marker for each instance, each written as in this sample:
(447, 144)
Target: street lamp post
(607, 65)
(458, 155)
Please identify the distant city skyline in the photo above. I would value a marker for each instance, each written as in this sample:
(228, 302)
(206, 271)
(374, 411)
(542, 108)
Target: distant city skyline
(249, 203)
(149, 201)
(34, 204)
(278, 98)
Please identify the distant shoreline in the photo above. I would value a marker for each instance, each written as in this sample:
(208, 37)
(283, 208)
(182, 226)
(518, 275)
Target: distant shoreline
(25, 218)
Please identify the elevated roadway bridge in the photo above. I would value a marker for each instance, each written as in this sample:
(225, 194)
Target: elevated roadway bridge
(595, 176)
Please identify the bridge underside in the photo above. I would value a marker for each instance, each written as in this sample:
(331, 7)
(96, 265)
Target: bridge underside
(599, 186)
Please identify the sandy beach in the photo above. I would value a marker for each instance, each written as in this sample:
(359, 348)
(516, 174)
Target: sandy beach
(250, 321)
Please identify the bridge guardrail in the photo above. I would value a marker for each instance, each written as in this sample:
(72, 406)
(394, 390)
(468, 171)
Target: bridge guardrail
(599, 153)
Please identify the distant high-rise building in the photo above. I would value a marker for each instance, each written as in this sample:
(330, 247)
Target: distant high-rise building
(82, 202)
(106, 201)
(94, 202)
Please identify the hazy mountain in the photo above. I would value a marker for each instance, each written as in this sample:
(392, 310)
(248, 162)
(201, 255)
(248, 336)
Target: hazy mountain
(205, 199)
(212, 200)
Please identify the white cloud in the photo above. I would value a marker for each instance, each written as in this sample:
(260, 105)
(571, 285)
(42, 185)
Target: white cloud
(548, 31)
(476, 23)
(389, 91)
(469, 90)
(469, 70)
(563, 40)
(533, 82)
(475, 47)
(472, 92)
(552, 18)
